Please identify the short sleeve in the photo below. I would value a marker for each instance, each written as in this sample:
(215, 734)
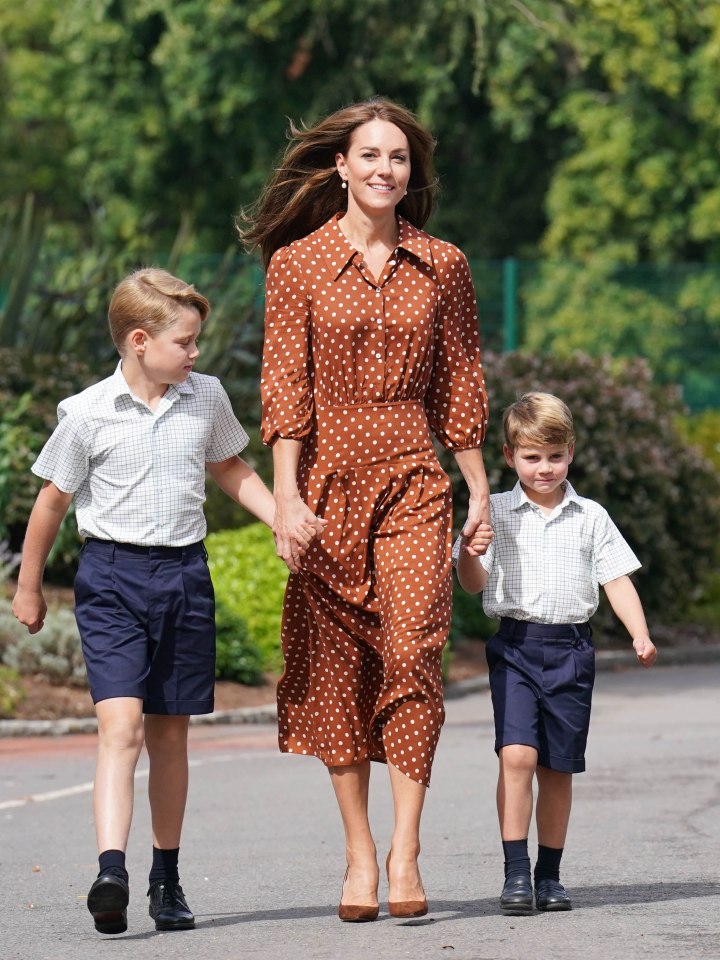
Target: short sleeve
(227, 437)
(285, 389)
(65, 459)
(612, 554)
(456, 400)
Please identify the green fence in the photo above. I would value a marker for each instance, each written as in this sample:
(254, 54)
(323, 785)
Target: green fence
(669, 314)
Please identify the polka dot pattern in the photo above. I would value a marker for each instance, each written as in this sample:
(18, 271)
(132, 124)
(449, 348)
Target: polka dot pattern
(362, 369)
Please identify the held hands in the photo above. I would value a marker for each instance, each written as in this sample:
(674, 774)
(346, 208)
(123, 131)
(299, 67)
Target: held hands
(477, 544)
(477, 532)
(294, 529)
(29, 608)
(645, 650)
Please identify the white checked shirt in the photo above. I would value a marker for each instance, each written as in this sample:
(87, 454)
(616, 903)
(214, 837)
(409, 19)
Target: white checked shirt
(138, 475)
(547, 567)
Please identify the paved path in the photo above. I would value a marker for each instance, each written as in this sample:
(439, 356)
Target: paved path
(262, 853)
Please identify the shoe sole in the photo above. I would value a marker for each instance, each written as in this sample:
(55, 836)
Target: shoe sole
(108, 906)
(554, 907)
(175, 925)
(516, 909)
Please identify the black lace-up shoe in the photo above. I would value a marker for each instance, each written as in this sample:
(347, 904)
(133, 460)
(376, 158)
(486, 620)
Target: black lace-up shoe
(168, 906)
(107, 901)
(552, 895)
(517, 895)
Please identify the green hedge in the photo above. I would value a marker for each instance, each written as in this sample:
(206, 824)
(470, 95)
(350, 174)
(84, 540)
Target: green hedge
(249, 584)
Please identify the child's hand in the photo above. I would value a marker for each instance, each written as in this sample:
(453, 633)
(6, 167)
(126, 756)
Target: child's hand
(645, 650)
(30, 608)
(480, 540)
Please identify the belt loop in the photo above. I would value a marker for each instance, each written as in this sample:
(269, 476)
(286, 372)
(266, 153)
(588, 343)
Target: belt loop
(577, 636)
(112, 552)
(510, 626)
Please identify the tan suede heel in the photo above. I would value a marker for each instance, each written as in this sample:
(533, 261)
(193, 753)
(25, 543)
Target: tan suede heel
(356, 913)
(405, 908)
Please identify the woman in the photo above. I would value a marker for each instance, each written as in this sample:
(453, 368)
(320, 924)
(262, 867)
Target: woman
(371, 338)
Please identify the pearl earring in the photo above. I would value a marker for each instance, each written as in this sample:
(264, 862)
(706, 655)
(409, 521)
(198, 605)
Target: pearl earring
(344, 184)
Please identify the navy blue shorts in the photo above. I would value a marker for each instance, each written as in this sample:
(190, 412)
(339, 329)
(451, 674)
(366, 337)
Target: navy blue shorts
(146, 617)
(541, 680)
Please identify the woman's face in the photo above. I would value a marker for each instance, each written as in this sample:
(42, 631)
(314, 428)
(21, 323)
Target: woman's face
(376, 166)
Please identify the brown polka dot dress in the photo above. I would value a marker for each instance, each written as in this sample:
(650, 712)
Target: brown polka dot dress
(361, 370)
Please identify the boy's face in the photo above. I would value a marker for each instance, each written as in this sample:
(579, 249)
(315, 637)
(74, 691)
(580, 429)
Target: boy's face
(169, 356)
(541, 470)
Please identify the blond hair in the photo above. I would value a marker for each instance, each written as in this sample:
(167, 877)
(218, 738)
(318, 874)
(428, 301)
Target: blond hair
(537, 419)
(150, 299)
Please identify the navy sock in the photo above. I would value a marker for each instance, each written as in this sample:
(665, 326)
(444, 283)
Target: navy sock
(164, 865)
(517, 859)
(548, 863)
(113, 861)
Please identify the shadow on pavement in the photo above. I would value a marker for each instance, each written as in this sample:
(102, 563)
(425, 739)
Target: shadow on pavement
(584, 898)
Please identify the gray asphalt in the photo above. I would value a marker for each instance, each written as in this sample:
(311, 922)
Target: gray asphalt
(262, 858)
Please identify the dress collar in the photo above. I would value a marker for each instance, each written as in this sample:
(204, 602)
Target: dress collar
(338, 251)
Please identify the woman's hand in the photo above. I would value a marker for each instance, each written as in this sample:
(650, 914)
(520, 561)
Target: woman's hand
(479, 542)
(478, 512)
(294, 528)
(473, 470)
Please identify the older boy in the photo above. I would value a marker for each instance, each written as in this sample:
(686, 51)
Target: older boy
(132, 451)
(548, 551)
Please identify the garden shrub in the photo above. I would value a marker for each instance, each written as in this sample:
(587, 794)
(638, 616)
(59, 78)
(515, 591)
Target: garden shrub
(11, 691)
(249, 584)
(31, 386)
(55, 653)
(702, 430)
(237, 657)
(662, 494)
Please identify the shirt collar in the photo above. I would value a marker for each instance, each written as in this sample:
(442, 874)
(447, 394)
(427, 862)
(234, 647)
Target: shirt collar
(519, 498)
(119, 386)
(338, 251)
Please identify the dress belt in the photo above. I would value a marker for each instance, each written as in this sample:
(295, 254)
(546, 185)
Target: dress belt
(365, 434)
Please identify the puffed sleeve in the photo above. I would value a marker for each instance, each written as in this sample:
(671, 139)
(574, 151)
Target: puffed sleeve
(285, 388)
(456, 401)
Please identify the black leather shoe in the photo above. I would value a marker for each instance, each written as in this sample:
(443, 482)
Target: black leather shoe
(107, 901)
(168, 906)
(551, 895)
(517, 895)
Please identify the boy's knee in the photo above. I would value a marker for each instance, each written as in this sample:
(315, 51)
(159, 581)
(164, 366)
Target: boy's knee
(118, 735)
(519, 758)
(166, 735)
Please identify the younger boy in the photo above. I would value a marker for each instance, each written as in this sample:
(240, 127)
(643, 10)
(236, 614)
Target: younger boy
(132, 451)
(548, 551)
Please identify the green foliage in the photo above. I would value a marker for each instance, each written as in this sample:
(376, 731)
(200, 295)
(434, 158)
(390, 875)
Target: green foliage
(11, 691)
(55, 653)
(661, 493)
(702, 430)
(706, 609)
(30, 388)
(237, 657)
(249, 584)
(668, 315)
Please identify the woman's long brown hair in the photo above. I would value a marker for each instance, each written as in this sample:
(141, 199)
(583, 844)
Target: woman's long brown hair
(305, 190)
